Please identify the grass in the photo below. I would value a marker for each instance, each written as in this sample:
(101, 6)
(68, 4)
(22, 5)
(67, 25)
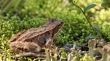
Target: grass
(26, 15)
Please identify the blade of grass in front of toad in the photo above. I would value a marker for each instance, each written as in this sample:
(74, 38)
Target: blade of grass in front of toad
(48, 57)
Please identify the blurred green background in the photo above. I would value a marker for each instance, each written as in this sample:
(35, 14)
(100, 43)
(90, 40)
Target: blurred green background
(19, 15)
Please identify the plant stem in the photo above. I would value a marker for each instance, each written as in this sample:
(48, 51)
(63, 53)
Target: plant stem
(86, 18)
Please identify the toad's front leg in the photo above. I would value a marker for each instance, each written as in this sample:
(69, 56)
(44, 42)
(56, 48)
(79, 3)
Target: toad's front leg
(49, 39)
(49, 42)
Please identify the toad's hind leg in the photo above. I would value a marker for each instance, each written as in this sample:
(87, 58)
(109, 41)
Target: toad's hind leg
(16, 36)
(29, 54)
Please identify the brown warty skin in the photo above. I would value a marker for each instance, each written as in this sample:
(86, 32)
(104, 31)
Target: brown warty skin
(34, 39)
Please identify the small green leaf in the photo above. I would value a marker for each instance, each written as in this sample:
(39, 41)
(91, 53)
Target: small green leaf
(89, 7)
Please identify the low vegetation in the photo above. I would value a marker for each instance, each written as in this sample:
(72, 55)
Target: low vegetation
(83, 20)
